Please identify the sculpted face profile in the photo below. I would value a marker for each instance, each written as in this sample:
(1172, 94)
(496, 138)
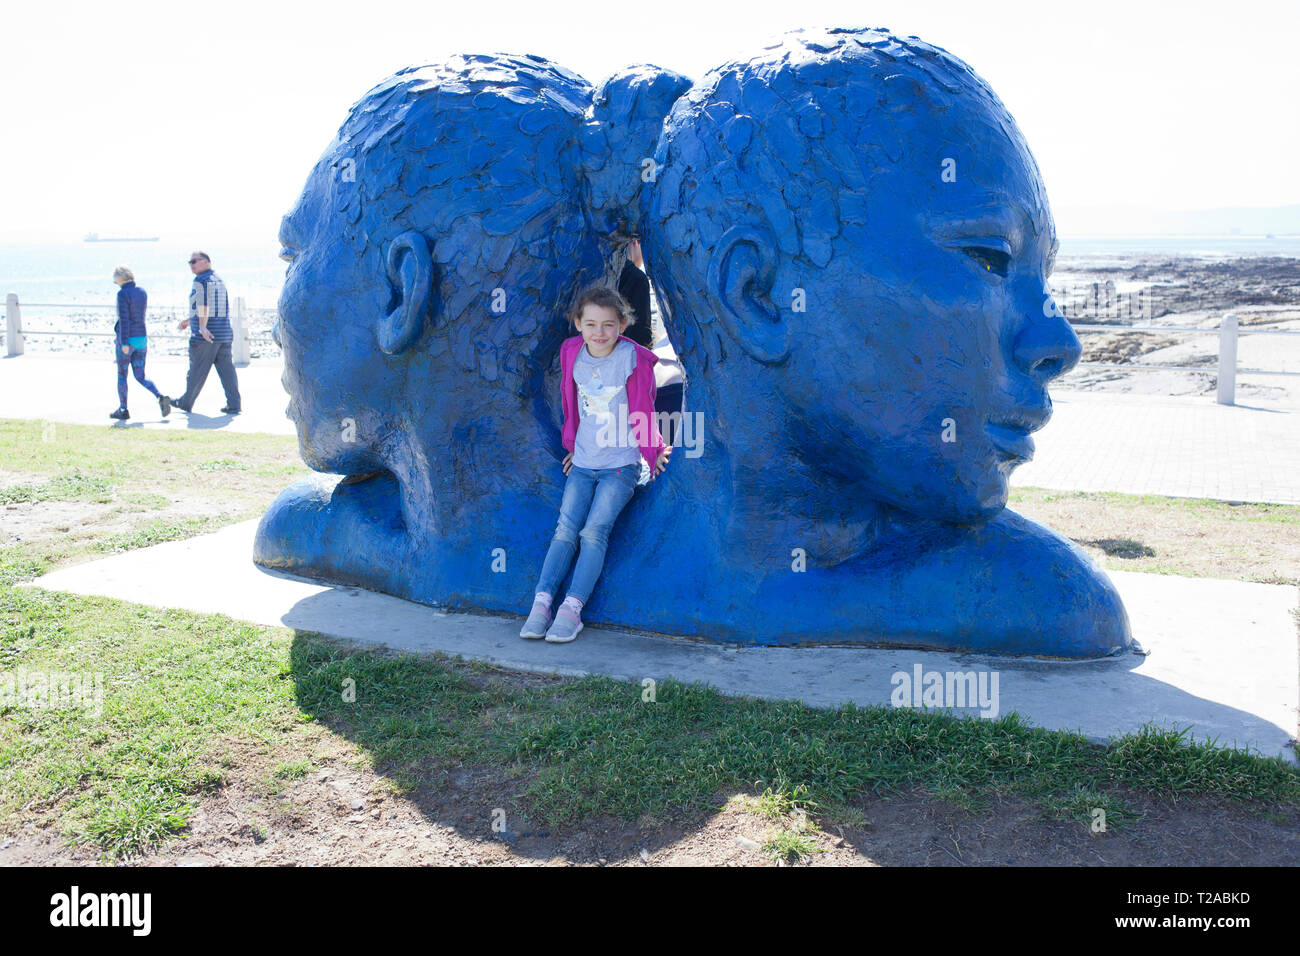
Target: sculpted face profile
(430, 258)
(851, 242)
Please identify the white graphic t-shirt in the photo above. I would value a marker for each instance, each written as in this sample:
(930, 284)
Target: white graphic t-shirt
(605, 438)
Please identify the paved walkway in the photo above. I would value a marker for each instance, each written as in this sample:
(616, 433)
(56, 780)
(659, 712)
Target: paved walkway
(82, 391)
(1182, 447)
(1188, 447)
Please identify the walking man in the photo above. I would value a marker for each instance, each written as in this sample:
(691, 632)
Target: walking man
(211, 337)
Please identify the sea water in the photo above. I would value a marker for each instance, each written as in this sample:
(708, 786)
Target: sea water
(1197, 246)
(81, 273)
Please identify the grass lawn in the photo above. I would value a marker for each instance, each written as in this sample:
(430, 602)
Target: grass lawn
(188, 696)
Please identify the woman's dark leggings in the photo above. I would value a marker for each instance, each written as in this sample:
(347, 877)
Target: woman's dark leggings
(136, 363)
(669, 399)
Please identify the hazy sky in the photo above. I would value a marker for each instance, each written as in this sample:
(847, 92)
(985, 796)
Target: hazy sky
(204, 119)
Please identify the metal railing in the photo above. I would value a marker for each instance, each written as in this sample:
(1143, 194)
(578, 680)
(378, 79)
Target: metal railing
(15, 335)
(1228, 333)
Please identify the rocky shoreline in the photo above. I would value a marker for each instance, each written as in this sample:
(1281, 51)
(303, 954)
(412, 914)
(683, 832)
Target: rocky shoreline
(1182, 293)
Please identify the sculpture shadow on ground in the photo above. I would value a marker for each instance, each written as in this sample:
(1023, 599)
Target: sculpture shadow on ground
(469, 751)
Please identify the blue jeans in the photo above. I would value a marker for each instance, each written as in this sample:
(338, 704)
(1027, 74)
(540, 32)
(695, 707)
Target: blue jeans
(593, 500)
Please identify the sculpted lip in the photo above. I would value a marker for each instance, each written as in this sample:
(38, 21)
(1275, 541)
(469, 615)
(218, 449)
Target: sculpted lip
(1012, 441)
(1010, 434)
(290, 410)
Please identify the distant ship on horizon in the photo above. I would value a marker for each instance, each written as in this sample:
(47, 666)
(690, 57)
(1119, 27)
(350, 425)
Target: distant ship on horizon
(95, 237)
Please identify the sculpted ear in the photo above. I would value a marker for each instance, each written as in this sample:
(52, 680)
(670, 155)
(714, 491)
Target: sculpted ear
(410, 273)
(741, 272)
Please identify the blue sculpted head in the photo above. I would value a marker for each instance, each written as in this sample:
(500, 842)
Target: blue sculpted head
(431, 256)
(851, 240)
(858, 217)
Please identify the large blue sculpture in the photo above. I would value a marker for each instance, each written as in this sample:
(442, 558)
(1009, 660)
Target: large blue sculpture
(851, 240)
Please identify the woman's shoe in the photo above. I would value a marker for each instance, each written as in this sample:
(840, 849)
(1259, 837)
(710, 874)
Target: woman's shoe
(121, 414)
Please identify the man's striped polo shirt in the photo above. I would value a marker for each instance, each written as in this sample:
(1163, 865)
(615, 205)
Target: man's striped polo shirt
(209, 290)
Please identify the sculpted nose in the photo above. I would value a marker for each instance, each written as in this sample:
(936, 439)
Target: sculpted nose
(1047, 347)
(275, 334)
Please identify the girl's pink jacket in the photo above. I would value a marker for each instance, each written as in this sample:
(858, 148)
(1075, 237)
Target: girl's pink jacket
(640, 395)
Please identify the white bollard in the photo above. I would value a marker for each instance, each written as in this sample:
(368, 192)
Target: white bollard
(240, 327)
(1228, 359)
(13, 325)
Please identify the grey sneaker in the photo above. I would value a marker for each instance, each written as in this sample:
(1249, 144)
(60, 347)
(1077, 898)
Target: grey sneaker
(535, 626)
(566, 626)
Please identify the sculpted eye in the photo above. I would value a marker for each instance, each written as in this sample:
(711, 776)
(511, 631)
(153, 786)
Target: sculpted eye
(994, 260)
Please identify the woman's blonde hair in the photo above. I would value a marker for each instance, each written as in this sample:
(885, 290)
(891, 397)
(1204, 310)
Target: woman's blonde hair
(123, 274)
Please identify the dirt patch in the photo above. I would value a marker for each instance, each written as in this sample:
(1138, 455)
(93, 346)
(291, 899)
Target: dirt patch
(9, 479)
(31, 520)
(64, 530)
(1172, 536)
(341, 813)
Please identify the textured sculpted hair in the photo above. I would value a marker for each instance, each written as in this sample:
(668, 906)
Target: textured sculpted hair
(480, 156)
(623, 125)
(123, 274)
(506, 164)
(793, 142)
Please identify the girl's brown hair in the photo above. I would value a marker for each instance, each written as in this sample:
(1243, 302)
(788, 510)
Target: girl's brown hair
(602, 296)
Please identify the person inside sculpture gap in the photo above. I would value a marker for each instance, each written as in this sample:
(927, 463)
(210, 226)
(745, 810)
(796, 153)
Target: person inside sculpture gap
(608, 394)
(634, 286)
(670, 378)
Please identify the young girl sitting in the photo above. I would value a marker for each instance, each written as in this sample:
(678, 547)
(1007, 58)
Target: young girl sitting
(607, 387)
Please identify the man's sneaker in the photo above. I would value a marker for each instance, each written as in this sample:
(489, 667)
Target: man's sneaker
(535, 626)
(230, 411)
(165, 404)
(566, 626)
(121, 414)
(176, 403)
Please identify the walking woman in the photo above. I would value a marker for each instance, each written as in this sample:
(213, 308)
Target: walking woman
(131, 344)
